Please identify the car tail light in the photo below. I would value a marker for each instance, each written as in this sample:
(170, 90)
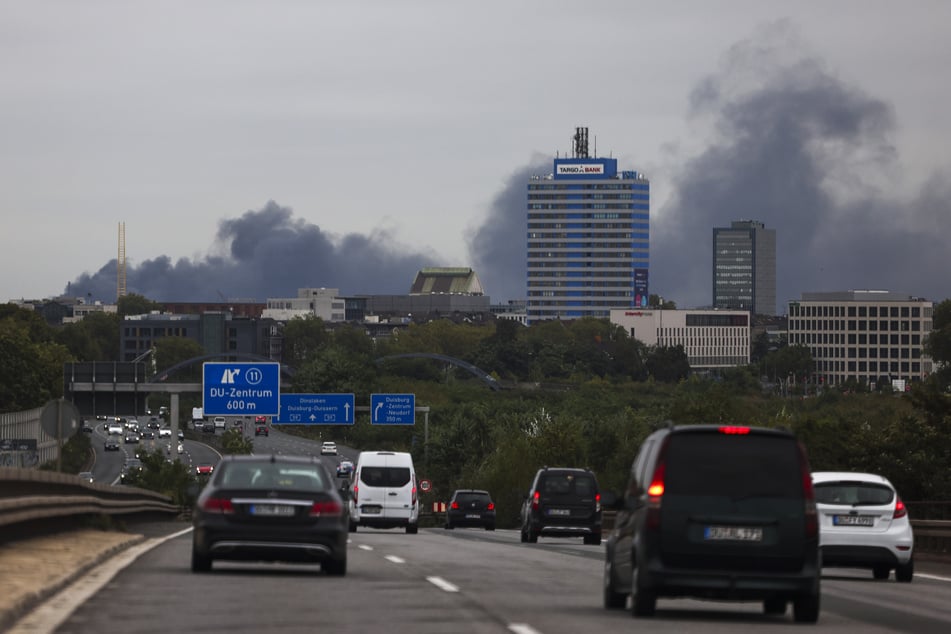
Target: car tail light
(414, 496)
(490, 507)
(900, 509)
(656, 489)
(454, 506)
(597, 502)
(356, 490)
(809, 493)
(330, 508)
(218, 505)
(733, 429)
(535, 498)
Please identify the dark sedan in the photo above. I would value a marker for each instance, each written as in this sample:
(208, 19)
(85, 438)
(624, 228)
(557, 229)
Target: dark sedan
(471, 507)
(270, 508)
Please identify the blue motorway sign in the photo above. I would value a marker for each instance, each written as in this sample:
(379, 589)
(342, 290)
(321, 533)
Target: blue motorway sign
(237, 389)
(393, 409)
(316, 409)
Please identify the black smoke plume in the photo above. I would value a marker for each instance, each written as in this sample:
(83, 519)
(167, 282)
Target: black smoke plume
(269, 254)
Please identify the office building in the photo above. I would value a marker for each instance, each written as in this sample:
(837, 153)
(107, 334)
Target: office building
(712, 339)
(588, 237)
(744, 267)
(873, 337)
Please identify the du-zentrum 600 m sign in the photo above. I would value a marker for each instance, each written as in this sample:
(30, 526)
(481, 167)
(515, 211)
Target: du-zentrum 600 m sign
(241, 388)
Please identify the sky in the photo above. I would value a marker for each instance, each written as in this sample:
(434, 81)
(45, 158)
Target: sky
(254, 148)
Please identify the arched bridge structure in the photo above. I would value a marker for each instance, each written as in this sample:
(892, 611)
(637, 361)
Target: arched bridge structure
(482, 375)
(161, 377)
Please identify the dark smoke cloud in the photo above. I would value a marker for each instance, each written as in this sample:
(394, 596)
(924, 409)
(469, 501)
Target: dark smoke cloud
(270, 254)
(498, 247)
(795, 148)
(810, 156)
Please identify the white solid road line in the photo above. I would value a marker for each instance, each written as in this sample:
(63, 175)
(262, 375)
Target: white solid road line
(934, 577)
(395, 559)
(442, 584)
(54, 611)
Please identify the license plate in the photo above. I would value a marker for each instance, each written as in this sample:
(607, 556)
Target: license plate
(733, 533)
(853, 520)
(371, 510)
(473, 516)
(559, 512)
(272, 510)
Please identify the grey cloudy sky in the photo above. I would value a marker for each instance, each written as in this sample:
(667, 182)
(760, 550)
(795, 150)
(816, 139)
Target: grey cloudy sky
(252, 148)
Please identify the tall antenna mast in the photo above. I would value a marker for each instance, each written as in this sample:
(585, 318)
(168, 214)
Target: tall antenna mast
(581, 143)
(120, 264)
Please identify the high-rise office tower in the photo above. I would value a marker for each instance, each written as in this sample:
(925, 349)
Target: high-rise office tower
(744, 267)
(588, 237)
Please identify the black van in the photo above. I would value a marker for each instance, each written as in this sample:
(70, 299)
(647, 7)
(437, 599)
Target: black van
(718, 512)
(562, 502)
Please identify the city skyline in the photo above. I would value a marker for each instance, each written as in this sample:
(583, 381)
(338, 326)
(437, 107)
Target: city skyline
(350, 156)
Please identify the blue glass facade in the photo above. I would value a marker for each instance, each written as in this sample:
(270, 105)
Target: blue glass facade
(588, 240)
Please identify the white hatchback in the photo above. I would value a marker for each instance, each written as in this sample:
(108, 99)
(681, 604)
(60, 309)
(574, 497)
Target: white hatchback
(863, 524)
(328, 448)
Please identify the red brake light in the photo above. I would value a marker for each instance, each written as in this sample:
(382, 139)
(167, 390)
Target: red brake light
(597, 502)
(535, 497)
(454, 506)
(491, 506)
(900, 509)
(809, 493)
(656, 488)
(414, 496)
(356, 488)
(734, 429)
(327, 507)
(218, 505)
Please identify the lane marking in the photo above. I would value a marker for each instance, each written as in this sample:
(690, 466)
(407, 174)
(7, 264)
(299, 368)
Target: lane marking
(442, 584)
(53, 612)
(365, 547)
(522, 628)
(934, 577)
(395, 559)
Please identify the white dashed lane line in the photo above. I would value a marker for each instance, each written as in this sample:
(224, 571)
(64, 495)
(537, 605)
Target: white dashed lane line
(522, 628)
(442, 584)
(395, 559)
(365, 547)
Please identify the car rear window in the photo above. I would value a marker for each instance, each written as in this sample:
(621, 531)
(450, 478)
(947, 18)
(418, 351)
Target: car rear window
(464, 498)
(855, 493)
(385, 476)
(738, 466)
(567, 483)
(272, 476)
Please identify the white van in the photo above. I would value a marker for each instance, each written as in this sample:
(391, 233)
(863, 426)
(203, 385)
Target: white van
(383, 491)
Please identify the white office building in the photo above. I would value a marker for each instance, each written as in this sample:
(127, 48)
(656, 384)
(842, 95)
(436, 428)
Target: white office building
(314, 302)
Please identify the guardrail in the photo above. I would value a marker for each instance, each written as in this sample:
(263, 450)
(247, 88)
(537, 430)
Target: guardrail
(30, 495)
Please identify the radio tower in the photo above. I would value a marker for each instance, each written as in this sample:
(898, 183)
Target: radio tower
(120, 264)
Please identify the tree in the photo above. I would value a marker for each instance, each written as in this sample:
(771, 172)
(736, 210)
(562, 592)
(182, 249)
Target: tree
(133, 304)
(170, 351)
(938, 342)
(668, 364)
(234, 442)
(304, 337)
(31, 372)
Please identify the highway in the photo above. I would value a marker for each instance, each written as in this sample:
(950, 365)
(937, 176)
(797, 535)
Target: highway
(466, 580)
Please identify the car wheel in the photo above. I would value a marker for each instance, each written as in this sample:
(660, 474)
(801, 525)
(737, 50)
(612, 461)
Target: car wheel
(490, 527)
(449, 526)
(643, 601)
(335, 567)
(592, 540)
(531, 537)
(200, 563)
(806, 608)
(774, 606)
(905, 572)
(613, 600)
(412, 529)
(353, 527)
(880, 572)
(523, 536)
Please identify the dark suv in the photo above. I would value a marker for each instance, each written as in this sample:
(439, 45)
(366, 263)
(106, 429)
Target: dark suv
(470, 507)
(563, 502)
(716, 512)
